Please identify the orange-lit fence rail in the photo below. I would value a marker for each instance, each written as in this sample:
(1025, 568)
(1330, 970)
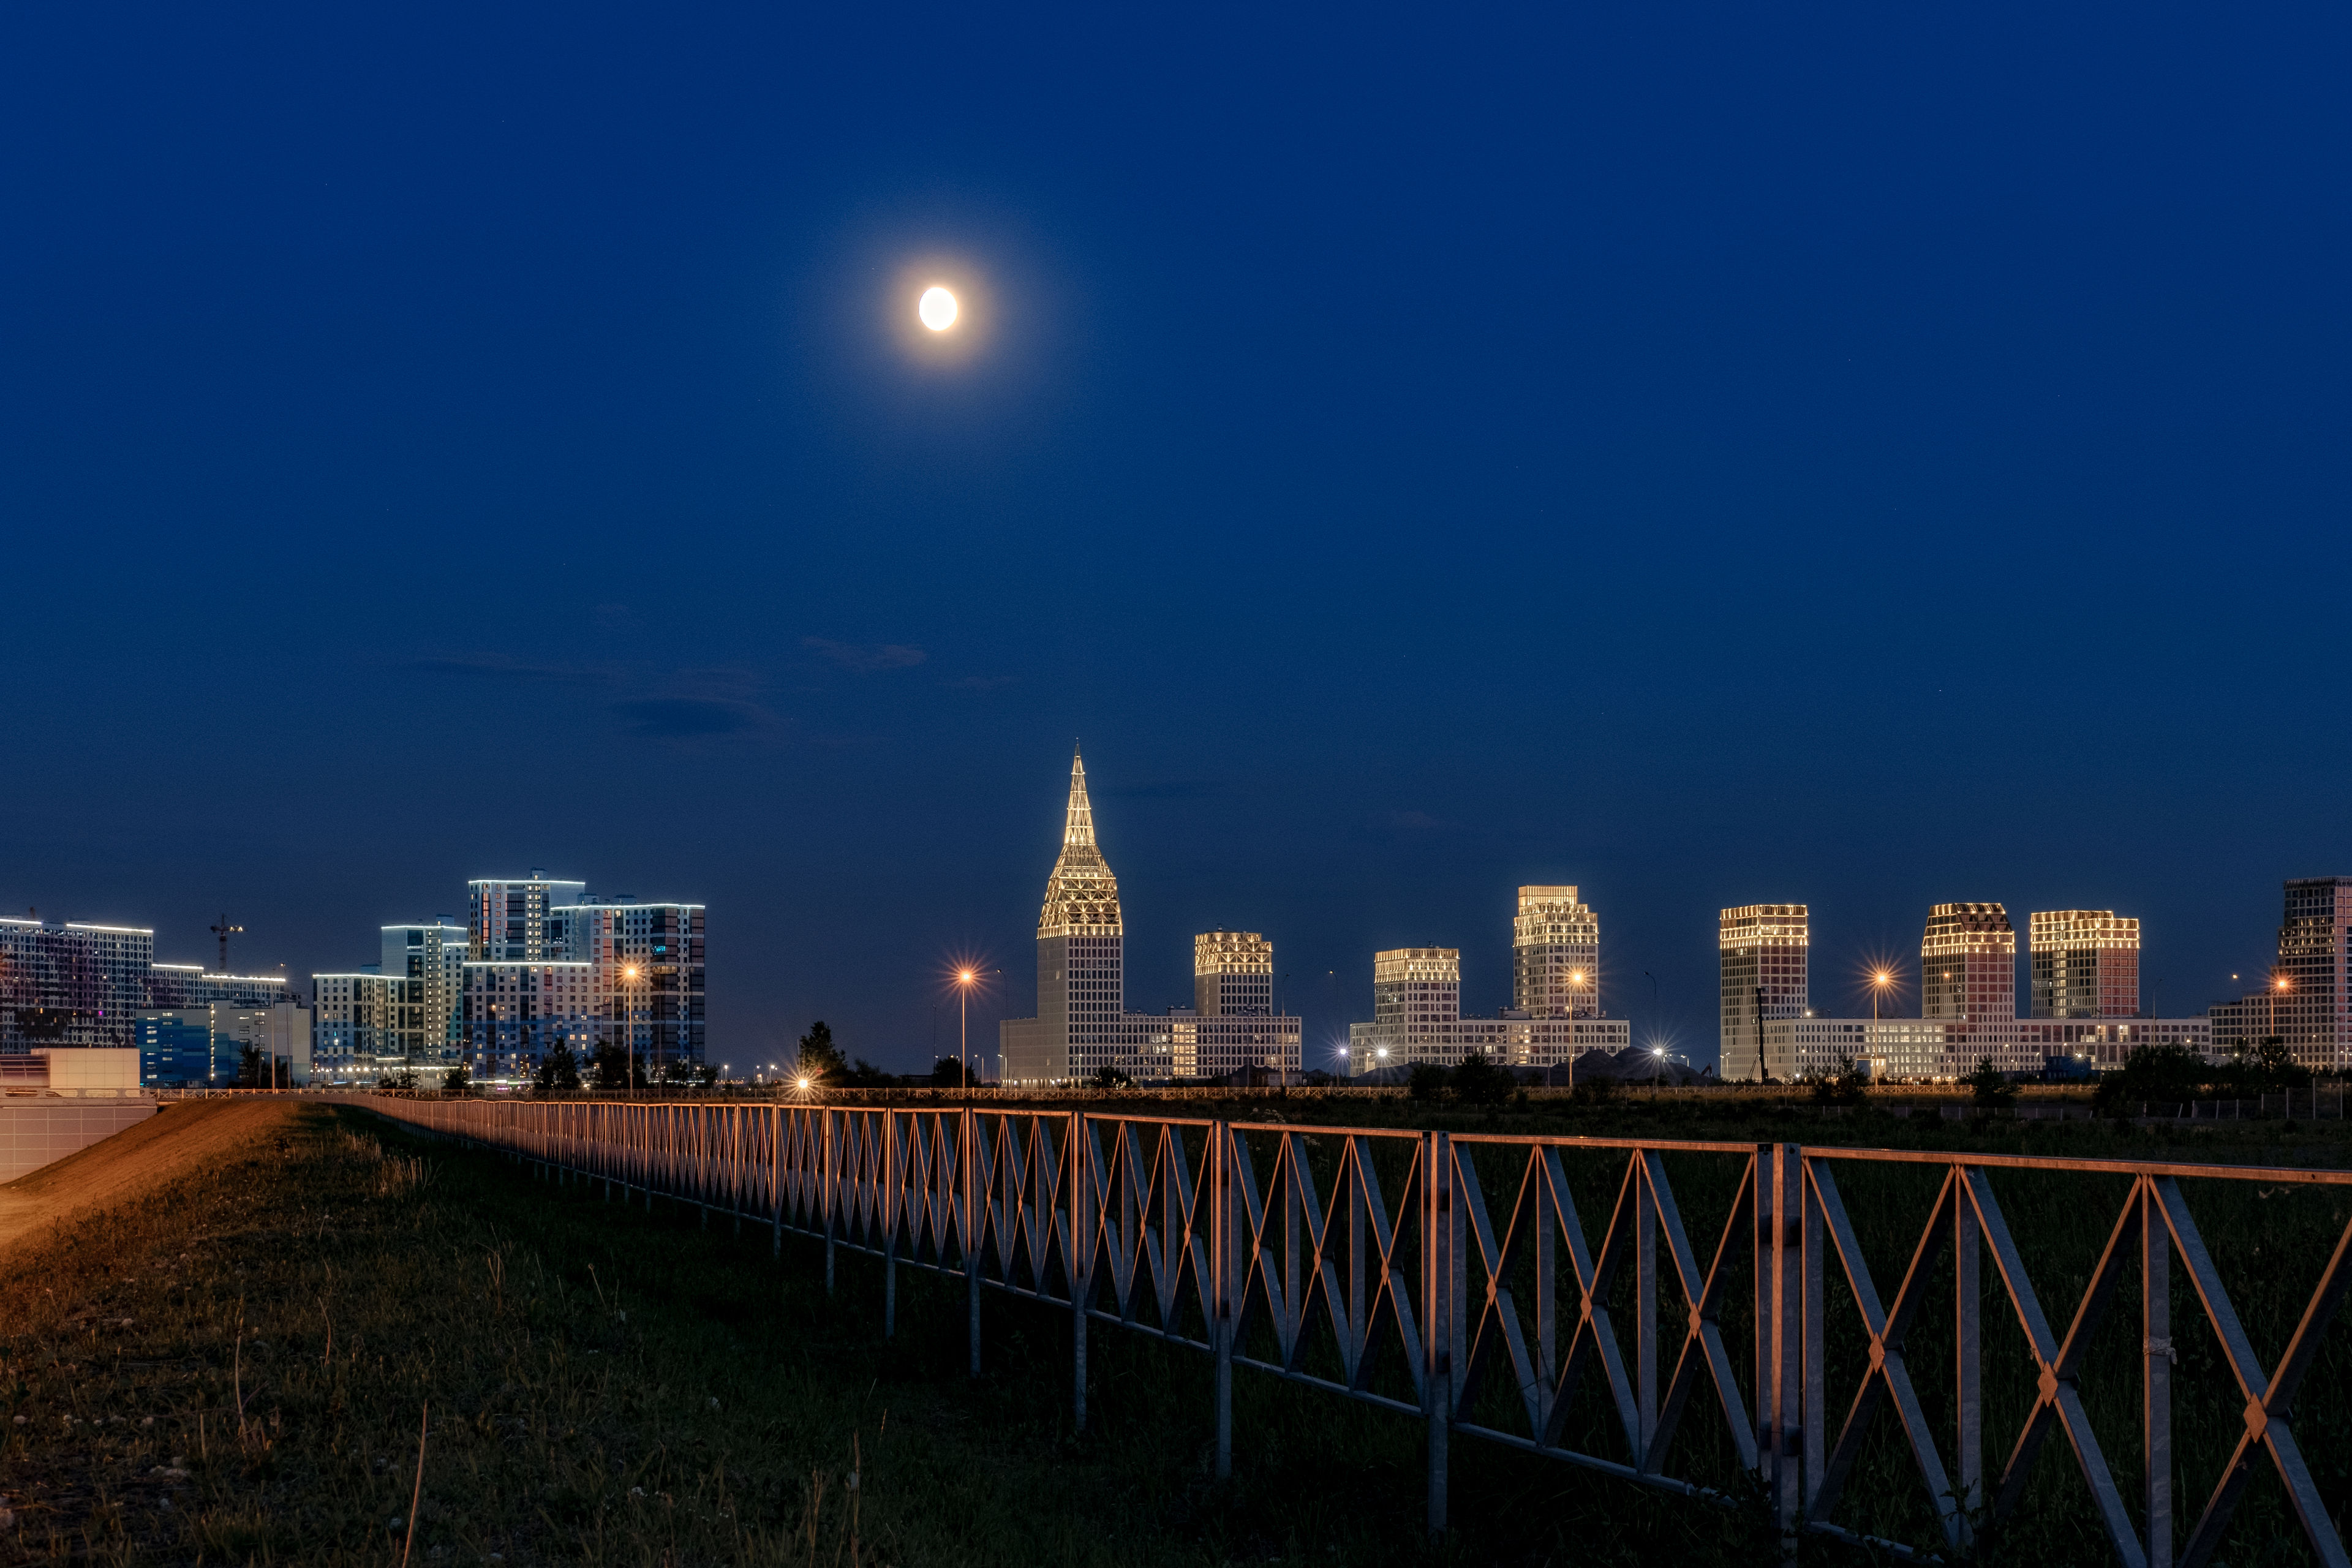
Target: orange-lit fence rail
(1457, 1279)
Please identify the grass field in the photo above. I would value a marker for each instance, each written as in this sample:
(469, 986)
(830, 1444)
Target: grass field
(232, 1362)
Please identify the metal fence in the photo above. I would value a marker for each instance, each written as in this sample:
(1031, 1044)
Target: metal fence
(1473, 1282)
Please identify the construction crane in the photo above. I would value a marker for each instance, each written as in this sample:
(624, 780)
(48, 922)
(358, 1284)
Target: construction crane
(224, 931)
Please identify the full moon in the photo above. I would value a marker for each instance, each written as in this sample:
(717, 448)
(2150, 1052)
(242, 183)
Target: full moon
(936, 308)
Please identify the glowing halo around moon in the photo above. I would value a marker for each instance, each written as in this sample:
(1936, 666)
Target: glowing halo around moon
(937, 309)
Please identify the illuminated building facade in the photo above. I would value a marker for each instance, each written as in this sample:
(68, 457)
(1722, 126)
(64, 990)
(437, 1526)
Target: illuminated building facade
(514, 919)
(203, 1047)
(1967, 959)
(434, 954)
(1082, 1023)
(647, 974)
(2315, 1009)
(187, 986)
(1233, 974)
(1764, 953)
(1927, 1050)
(1555, 955)
(513, 1014)
(2085, 963)
(366, 1025)
(1968, 964)
(52, 991)
(2307, 1005)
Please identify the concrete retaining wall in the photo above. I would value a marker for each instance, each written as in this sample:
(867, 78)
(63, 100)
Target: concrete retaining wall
(36, 1133)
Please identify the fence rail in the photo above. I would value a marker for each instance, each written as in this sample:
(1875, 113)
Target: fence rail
(1469, 1281)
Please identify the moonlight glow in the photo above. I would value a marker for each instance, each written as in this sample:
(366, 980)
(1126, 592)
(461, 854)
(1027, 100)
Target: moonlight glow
(936, 308)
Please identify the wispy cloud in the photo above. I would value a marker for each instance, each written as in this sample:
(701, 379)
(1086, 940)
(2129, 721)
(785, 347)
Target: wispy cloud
(691, 718)
(684, 705)
(866, 658)
(504, 667)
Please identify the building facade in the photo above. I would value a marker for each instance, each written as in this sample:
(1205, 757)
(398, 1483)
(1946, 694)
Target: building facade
(368, 1025)
(2085, 963)
(2314, 1014)
(1233, 974)
(1555, 955)
(1082, 1026)
(646, 975)
(434, 954)
(1942, 1049)
(1764, 951)
(1968, 964)
(513, 1016)
(513, 920)
(203, 1047)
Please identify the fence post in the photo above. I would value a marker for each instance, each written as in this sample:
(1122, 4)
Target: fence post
(970, 1163)
(827, 1192)
(1779, 1266)
(1437, 1306)
(1221, 1290)
(1815, 1353)
(1075, 1262)
(1968, 1328)
(893, 1209)
(1645, 1309)
(2156, 1353)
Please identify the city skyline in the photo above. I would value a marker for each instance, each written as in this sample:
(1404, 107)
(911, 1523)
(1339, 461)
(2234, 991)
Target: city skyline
(1496, 971)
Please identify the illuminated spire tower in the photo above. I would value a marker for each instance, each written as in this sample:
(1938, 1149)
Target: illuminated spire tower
(1081, 984)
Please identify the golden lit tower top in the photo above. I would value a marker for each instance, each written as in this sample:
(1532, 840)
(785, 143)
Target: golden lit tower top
(1081, 896)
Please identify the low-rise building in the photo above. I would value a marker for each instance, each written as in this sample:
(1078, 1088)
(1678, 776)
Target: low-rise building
(1417, 1018)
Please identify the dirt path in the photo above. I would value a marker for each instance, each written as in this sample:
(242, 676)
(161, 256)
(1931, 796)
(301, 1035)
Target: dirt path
(179, 1136)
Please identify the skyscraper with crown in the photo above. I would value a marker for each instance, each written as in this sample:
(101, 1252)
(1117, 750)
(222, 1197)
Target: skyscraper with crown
(1082, 1023)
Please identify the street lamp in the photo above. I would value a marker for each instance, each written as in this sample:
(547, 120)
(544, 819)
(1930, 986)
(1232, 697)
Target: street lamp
(1880, 980)
(629, 1028)
(965, 980)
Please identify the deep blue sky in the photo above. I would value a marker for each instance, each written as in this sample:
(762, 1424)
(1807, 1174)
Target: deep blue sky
(1861, 455)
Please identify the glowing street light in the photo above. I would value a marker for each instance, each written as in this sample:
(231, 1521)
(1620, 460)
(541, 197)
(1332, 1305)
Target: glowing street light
(629, 1028)
(1879, 981)
(965, 978)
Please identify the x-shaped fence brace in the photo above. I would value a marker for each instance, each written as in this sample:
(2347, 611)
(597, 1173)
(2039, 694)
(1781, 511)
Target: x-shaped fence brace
(1371, 1263)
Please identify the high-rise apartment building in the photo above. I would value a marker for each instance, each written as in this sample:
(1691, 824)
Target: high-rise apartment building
(432, 953)
(72, 982)
(513, 920)
(1082, 1023)
(1968, 964)
(1764, 951)
(1555, 955)
(645, 973)
(2307, 1005)
(1417, 999)
(2085, 963)
(2315, 961)
(368, 1025)
(1233, 974)
(515, 1014)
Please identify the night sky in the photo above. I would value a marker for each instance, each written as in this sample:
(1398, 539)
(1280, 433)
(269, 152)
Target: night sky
(1864, 456)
